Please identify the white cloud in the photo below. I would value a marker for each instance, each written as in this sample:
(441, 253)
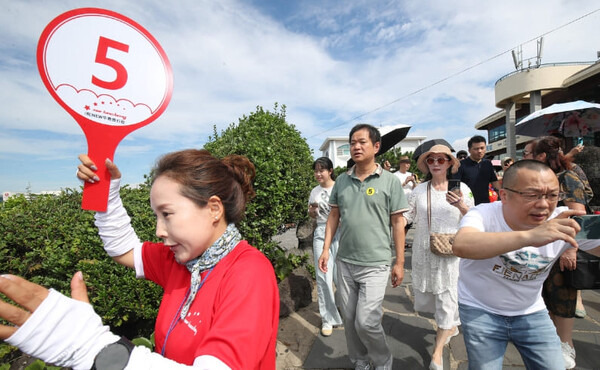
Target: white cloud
(328, 62)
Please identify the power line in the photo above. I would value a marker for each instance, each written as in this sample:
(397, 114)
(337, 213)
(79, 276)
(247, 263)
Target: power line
(456, 74)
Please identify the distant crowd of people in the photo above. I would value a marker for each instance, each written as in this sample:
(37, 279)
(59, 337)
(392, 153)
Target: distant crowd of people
(510, 227)
(500, 281)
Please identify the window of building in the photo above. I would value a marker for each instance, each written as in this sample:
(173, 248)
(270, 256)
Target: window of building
(497, 133)
(343, 150)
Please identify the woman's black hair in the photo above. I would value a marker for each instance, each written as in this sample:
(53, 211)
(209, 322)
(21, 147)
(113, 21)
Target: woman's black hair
(324, 163)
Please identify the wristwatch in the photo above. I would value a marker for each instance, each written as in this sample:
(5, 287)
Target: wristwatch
(114, 356)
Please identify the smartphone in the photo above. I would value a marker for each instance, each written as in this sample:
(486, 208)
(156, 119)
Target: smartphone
(579, 141)
(590, 227)
(454, 186)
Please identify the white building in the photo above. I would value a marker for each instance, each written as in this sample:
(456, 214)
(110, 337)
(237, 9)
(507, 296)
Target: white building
(337, 148)
(8, 194)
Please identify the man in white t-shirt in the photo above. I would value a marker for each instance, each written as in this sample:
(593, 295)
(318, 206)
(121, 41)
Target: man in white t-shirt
(407, 179)
(507, 250)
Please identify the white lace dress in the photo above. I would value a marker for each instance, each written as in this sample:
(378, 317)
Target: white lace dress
(431, 273)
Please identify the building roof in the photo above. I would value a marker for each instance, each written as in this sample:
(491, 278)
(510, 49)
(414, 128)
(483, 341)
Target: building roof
(556, 79)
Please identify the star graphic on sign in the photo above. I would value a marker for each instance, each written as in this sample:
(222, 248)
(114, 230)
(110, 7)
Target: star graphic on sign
(87, 107)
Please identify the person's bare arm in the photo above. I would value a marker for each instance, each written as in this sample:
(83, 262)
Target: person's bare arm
(330, 228)
(475, 244)
(573, 152)
(398, 224)
(568, 260)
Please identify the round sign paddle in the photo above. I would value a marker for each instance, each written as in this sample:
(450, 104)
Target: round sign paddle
(111, 75)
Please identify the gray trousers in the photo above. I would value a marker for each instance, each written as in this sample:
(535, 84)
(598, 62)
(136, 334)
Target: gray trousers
(361, 290)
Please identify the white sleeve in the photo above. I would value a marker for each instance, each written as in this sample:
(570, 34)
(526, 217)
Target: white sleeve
(64, 332)
(114, 225)
(138, 263)
(467, 195)
(474, 219)
(143, 359)
(312, 198)
(411, 214)
(68, 333)
(587, 244)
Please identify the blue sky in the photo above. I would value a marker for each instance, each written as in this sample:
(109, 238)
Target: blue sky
(387, 62)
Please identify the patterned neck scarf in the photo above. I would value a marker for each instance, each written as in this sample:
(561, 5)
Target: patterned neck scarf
(216, 252)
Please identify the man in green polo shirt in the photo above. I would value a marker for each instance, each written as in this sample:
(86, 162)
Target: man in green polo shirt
(366, 202)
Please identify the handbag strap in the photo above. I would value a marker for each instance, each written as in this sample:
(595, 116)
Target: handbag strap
(429, 206)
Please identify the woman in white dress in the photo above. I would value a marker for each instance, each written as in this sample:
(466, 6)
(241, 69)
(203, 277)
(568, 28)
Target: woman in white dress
(318, 208)
(435, 278)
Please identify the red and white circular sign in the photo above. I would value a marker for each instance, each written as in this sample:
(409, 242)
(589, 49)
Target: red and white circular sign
(110, 74)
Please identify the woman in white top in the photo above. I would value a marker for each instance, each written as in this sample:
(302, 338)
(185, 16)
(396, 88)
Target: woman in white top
(318, 208)
(435, 278)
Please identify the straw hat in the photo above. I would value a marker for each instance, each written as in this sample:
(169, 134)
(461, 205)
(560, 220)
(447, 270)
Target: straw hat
(437, 149)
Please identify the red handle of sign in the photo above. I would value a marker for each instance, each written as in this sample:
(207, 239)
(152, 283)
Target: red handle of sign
(101, 145)
(95, 195)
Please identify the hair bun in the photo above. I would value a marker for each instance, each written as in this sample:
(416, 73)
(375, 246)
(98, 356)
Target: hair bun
(243, 171)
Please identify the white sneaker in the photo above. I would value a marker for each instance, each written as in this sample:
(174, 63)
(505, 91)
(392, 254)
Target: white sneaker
(568, 353)
(326, 330)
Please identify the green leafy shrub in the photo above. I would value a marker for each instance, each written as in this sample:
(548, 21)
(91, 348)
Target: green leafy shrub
(47, 238)
(283, 180)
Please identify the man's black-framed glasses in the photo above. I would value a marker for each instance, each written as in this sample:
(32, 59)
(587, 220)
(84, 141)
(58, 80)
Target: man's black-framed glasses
(532, 197)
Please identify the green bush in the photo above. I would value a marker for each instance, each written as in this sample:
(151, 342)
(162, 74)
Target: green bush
(283, 180)
(47, 238)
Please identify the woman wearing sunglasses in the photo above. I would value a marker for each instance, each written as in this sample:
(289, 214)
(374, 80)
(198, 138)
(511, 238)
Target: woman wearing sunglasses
(434, 277)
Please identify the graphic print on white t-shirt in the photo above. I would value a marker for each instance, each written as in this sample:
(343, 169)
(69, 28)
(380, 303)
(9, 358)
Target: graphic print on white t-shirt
(324, 206)
(522, 265)
(320, 195)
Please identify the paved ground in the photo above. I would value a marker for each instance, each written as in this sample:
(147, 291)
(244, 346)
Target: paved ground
(411, 337)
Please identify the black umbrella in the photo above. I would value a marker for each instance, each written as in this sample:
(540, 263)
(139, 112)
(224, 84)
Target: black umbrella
(424, 147)
(388, 141)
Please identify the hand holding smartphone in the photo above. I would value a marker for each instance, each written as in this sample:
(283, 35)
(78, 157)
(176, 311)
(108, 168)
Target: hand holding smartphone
(454, 186)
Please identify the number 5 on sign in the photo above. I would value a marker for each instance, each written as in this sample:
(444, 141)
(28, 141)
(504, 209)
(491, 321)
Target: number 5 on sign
(111, 75)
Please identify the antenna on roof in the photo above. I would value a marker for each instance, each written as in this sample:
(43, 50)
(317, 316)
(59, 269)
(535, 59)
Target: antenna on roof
(540, 46)
(518, 57)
